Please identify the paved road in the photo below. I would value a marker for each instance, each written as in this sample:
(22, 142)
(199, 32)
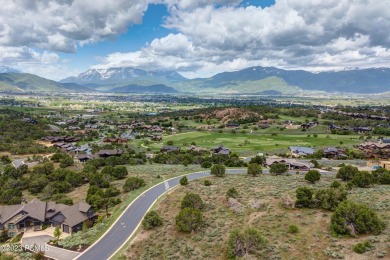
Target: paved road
(125, 226)
(38, 243)
(130, 220)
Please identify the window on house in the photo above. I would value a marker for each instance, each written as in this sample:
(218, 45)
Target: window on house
(11, 226)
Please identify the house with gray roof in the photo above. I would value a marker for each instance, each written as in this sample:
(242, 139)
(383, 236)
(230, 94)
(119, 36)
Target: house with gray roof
(170, 148)
(15, 219)
(297, 151)
(292, 164)
(220, 149)
(108, 153)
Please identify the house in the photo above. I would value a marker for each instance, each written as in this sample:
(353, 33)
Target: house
(375, 149)
(30, 120)
(115, 140)
(92, 126)
(333, 127)
(385, 141)
(84, 149)
(60, 139)
(84, 157)
(291, 163)
(232, 125)
(33, 215)
(333, 152)
(263, 126)
(297, 151)
(128, 136)
(170, 148)
(108, 153)
(220, 150)
(156, 137)
(309, 125)
(362, 130)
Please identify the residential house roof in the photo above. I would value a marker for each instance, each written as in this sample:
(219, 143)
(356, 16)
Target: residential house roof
(110, 152)
(170, 148)
(42, 211)
(220, 149)
(301, 150)
(73, 215)
(330, 150)
(35, 209)
(84, 207)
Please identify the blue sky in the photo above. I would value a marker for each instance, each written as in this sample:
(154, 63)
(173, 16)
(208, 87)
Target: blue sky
(135, 38)
(197, 38)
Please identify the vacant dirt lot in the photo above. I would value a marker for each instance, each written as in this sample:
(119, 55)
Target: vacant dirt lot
(313, 241)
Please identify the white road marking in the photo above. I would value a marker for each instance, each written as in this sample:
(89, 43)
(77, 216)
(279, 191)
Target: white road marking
(166, 185)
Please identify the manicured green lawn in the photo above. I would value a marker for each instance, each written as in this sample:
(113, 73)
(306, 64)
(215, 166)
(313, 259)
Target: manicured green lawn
(252, 143)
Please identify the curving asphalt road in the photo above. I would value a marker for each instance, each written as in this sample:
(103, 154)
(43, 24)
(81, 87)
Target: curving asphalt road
(127, 223)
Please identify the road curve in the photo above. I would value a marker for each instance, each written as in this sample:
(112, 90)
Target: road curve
(129, 221)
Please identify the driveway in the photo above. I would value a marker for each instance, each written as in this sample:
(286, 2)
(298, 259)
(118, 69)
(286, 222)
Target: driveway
(20, 162)
(38, 241)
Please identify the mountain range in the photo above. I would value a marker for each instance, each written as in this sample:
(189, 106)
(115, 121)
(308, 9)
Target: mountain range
(253, 80)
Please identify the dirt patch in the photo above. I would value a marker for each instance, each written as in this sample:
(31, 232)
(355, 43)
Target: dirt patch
(235, 206)
(314, 239)
(227, 115)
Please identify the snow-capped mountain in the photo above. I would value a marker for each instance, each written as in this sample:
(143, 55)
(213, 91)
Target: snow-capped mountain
(5, 69)
(124, 76)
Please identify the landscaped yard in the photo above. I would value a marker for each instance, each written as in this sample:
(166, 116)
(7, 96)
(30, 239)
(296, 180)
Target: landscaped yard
(314, 239)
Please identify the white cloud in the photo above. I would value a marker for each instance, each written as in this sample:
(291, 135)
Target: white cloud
(310, 34)
(191, 4)
(61, 24)
(31, 31)
(46, 64)
(208, 36)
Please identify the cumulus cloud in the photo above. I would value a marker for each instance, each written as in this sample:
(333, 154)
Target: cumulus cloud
(310, 34)
(32, 31)
(208, 36)
(191, 4)
(46, 64)
(61, 24)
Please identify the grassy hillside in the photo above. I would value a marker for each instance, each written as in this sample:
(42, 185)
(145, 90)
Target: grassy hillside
(20, 82)
(250, 86)
(4, 86)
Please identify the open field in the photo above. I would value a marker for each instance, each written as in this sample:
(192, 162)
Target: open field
(254, 143)
(313, 241)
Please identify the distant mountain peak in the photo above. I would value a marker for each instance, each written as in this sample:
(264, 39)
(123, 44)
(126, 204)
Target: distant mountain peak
(5, 69)
(124, 75)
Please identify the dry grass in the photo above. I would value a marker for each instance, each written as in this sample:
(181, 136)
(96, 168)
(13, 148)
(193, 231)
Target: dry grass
(313, 241)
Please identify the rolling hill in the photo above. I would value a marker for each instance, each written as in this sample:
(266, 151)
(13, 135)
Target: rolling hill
(254, 80)
(24, 82)
(374, 80)
(124, 76)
